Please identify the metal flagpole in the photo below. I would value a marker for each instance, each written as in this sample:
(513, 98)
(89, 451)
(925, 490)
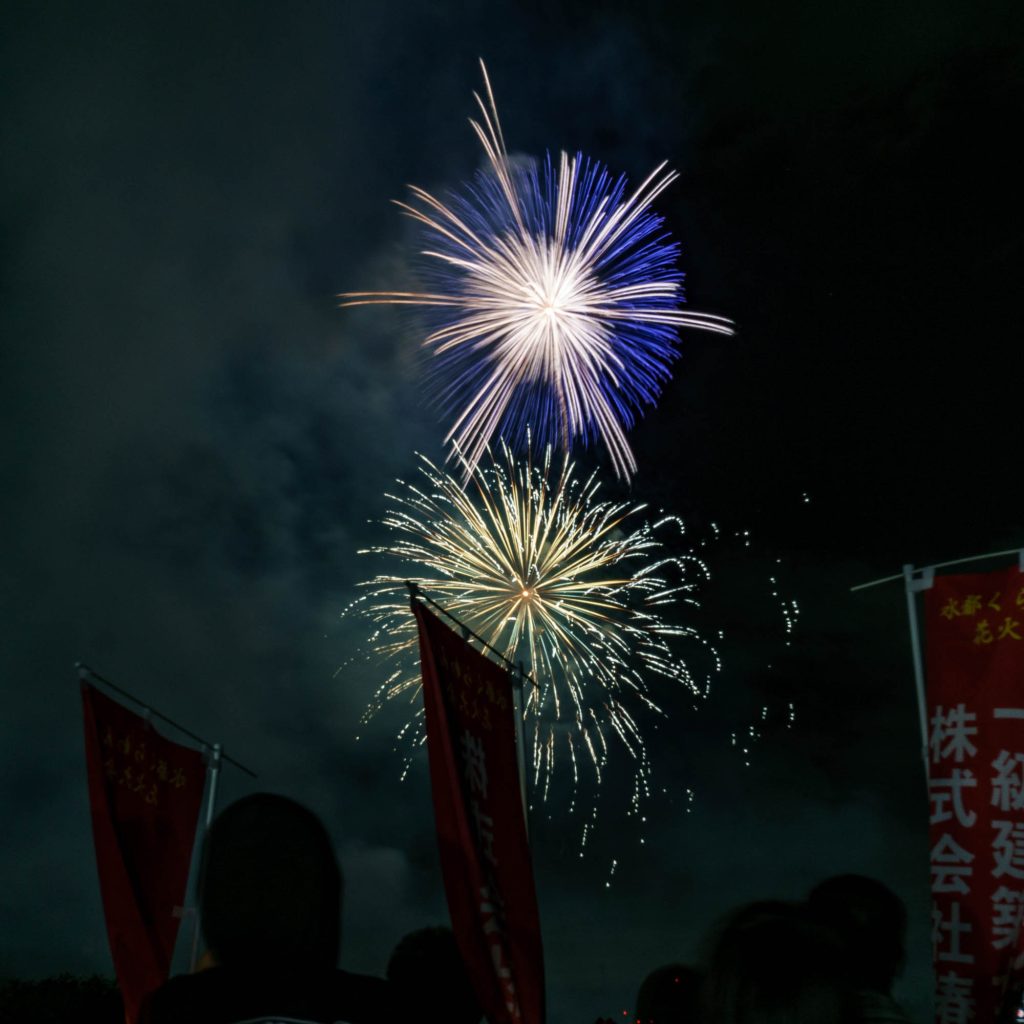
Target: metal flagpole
(214, 775)
(521, 743)
(211, 802)
(912, 586)
(1019, 552)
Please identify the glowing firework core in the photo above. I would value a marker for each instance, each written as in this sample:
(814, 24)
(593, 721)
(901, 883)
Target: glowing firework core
(550, 328)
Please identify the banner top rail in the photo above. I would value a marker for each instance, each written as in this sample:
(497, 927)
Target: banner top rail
(1019, 552)
(524, 676)
(85, 673)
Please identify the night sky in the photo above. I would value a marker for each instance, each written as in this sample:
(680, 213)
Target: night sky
(196, 441)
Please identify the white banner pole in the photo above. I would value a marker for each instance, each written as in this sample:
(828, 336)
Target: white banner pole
(923, 582)
(519, 707)
(211, 801)
(214, 776)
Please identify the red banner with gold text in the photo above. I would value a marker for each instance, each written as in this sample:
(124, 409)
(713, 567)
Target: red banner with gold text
(145, 793)
(485, 858)
(974, 629)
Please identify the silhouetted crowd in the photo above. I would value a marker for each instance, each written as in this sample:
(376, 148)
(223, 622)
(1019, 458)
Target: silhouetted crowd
(270, 901)
(831, 959)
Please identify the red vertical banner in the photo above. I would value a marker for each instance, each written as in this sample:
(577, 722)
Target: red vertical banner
(485, 858)
(975, 682)
(145, 793)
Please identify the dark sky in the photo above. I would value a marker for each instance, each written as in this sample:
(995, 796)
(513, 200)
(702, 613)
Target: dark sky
(195, 438)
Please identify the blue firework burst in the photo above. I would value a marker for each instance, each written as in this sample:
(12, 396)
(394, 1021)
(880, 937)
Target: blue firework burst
(555, 300)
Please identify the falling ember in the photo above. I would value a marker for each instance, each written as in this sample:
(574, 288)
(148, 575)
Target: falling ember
(578, 589)
(556, 303)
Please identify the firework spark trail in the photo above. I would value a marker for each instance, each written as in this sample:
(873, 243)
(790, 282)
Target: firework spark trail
(535, 564)
(557, 300)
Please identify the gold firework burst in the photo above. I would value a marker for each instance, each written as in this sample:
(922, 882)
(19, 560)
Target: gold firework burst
(578, 589)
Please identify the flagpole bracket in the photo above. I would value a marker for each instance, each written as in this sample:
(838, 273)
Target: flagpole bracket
(919, 579)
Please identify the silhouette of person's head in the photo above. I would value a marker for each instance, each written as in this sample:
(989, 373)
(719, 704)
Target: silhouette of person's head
(430, 980)
(871, 921)
(669, 995)
(773, 964)
(270, 887)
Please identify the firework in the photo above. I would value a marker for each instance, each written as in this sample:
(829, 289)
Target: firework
(555, 301)
(576, 588)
